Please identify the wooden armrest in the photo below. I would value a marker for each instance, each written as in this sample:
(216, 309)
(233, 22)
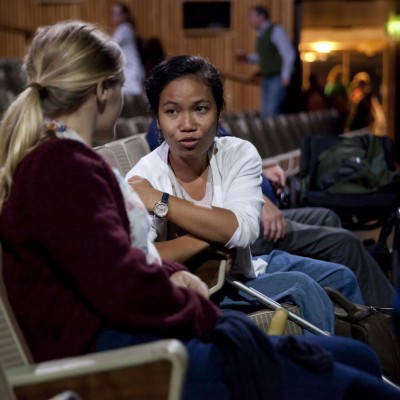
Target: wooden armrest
(210, 268)
(150, 371)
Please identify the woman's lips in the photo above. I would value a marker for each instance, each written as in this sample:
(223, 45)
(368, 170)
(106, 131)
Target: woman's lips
(189, 142)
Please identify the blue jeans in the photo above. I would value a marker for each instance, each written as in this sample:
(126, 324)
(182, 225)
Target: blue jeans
(272, 95)
(299, 280)
(204, 377)
(356, 369)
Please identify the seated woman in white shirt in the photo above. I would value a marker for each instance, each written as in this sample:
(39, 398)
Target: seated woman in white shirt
(213, 189)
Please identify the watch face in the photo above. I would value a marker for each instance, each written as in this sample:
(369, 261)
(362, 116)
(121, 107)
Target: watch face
(161, 209)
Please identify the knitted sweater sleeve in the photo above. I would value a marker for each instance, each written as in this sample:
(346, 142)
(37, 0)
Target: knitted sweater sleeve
(79, 219)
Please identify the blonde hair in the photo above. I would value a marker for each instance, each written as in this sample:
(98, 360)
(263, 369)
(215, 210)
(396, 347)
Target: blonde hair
(63, 64)
(361, 77)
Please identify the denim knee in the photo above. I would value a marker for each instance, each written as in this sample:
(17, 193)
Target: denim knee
(349, 285)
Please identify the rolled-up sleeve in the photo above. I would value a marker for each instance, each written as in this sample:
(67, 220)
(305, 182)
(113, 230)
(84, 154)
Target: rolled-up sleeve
(241, 188)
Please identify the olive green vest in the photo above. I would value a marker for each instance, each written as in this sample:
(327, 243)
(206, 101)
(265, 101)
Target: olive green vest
(270, 59)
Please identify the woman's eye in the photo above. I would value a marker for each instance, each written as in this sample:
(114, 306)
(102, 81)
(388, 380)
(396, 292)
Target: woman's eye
(171, 111)
(202, 109)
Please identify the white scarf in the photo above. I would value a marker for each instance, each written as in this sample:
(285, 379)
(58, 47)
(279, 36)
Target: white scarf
(139, 219)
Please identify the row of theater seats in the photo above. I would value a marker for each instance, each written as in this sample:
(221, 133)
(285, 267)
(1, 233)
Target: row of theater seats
(126, 127)
(124, 153)
(271, 136)
(277, 135)
(277, 139)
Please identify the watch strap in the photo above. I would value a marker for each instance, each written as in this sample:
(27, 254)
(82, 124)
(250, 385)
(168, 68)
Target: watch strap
(165, 197)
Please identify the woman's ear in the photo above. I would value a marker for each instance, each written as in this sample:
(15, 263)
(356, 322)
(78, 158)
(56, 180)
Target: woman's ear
(101, 95)
(102, 90)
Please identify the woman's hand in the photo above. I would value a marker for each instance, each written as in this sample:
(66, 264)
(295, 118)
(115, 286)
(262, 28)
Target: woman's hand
(189, 281)
(145, 190)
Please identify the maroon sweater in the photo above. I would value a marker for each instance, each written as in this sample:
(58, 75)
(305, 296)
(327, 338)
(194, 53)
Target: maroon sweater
(69, 267)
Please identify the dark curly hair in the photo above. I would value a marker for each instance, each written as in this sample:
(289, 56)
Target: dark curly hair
(178, 67)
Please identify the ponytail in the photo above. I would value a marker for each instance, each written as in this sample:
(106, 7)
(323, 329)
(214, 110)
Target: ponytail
(19, 134)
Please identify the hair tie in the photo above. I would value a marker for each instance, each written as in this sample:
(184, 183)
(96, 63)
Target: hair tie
(40, 89)
(36, 85)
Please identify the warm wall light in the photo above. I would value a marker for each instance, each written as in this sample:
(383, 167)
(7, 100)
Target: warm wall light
(323, 47)
(308, 56)
(393, 26)
(312, 56)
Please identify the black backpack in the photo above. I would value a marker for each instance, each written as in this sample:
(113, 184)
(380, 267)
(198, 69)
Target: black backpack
(356, 164)
(354, 176)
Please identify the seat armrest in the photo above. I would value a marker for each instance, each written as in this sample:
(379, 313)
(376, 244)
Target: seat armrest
(154, 370)
(210, 267)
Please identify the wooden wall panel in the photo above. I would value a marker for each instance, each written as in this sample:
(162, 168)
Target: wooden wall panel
(160, 18)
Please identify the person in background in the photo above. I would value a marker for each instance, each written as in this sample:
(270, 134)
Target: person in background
(336, 93)
(275, 56)
(317, 232)
(365, 108)
(360, 100)
(126, 36)
(314, 96)
(335, 83)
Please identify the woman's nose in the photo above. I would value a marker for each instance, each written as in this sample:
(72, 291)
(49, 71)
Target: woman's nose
(187, 122)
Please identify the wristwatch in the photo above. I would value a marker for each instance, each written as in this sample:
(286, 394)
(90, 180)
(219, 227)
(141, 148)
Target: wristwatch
(161, 208)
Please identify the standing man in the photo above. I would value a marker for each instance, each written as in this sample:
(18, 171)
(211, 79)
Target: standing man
(275, 55)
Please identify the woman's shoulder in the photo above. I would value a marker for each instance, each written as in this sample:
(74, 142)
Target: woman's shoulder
(64, 147)
(157, 156)
(63, 155)
(232, 141)
(234, 146)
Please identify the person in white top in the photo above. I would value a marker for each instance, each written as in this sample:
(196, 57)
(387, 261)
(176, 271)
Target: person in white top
(125, 35)
(212, 187)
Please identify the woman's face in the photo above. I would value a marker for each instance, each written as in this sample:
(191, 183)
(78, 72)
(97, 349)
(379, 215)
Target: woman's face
(117, 15)
(188, 117)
